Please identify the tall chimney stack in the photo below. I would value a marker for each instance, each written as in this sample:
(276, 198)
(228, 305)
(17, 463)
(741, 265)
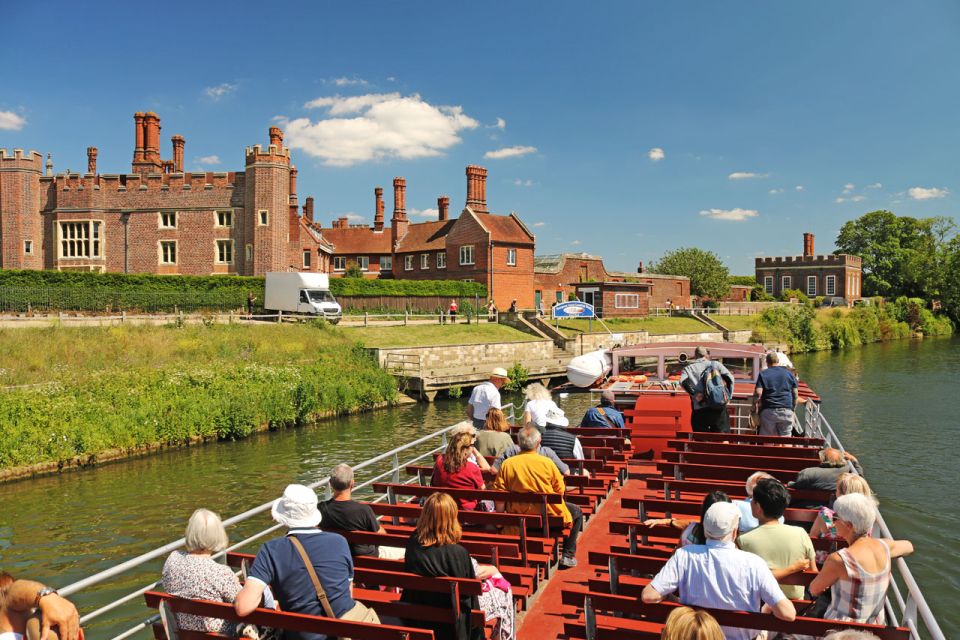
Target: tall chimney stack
(808, 245)
(91, 159)
(443, 206)
(308, 209)
(138, 133)
(477, 188)
(151, 153)
(399, 199)
(178, 144)
(378, 209)
(293, 182)
(276, 137)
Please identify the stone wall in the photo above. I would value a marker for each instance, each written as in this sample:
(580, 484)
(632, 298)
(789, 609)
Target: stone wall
(592, 341)
(469, 358)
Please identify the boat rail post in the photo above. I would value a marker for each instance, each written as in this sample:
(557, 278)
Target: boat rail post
(396, 468)
(632, 538)
(589, 619)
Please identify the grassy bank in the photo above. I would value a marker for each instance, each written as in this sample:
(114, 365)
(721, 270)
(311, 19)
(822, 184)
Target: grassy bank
(654, 325)
(435, 334)
(94, 389)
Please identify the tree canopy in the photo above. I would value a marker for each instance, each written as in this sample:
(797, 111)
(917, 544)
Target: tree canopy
(709, 277)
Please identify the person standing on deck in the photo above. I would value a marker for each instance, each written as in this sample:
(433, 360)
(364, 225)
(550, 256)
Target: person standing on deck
(486, 396)
(705, 418)
(604, 414)
(775, 398)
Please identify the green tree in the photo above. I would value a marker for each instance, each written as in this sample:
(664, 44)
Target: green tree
(709, 277)
(353, 271)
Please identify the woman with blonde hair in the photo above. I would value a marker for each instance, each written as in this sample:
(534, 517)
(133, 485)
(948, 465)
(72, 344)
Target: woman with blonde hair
(460, 466)
(494, 439)
(824, 527)
(685, 623)
(538, 402)
(434, 550)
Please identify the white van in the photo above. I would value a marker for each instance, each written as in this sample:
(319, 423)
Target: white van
(302, 293)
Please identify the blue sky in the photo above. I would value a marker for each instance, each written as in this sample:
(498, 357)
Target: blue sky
(771, 119)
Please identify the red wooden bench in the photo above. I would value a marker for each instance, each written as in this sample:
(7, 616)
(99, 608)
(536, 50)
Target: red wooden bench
(807, 453)
(687, 471)
(736, 460)
(696, 489)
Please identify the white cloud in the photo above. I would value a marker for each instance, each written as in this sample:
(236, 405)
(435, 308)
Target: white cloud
(923, 193)
(208, 159)
(730, 215)
(799, 187)
(501, 124)
(349, 82)
(847, 188)
(575, 243)
(539, 224)
(425, 213)
(775, 192)
(509, 152)
(857, 198)
(352, 217)
(523, 183)
(746, 175)
(217, 92)
(384, 126)
(656, 154)
(875, 185)
(10, 121)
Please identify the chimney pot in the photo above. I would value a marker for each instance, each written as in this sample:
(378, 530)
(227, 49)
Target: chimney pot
(276, 137)
(808, 248)
(178, 144)
(91, 159)
(443, 206)
(400, 198)
(293, 181)
(308, 209)
(477, 188)
(378, 211)
(640, 267)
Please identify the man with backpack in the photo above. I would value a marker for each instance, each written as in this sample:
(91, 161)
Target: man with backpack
(710, 386)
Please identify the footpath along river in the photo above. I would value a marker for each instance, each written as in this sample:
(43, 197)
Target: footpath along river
(889, 403)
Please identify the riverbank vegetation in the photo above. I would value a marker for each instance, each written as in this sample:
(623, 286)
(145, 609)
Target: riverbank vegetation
(67, 392)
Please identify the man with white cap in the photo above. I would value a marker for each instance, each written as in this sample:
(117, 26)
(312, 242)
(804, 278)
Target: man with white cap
(555, 434)
(281, 564)
(720, 576)
(486, 396)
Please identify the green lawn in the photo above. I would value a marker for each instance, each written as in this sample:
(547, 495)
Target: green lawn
(656, 325)
(434, 334)
(738, 323)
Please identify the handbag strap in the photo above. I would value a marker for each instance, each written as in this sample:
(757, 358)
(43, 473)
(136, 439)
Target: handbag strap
(608, 419)
(321, 594)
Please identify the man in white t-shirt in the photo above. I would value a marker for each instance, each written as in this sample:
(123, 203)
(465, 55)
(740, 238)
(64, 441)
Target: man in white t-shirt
(486, 396)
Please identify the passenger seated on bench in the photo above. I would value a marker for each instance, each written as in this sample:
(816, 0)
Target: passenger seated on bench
(823, 526)
(193, 573)
(823, 477)
(343, 513)
(538, 401)
(850, 634)
(494, 438)
(605, 414)
(528, 472)
(747, 520)
(685, 623)
(280, 565)
(785, 548)
(434, 550)
(720, 576)
(692, 529)
(459, 466)
(18, 599)
(859, 575)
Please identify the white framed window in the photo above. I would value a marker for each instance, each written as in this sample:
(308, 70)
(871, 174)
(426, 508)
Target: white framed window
(80, 239)
(768, 284)
(306, 259)
(830, 286)
(811, 285)
(466, 254)
(168, 251)
(363, 262)
(225, 251)
(339, 263)
(786, 282)
(627, 301)
(28, 247)
(263, 217)
(511, 257)
(224, 218)
(408, 263)
(424, 260)
(441, 260)
(168, 219)
(386, 263)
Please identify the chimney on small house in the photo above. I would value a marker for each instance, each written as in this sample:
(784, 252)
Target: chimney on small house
(308, 209)
(91, 159)
(443, 206)
(640, 268)
(178, 143)
(477, 188)
(378, 211)
(808, 251)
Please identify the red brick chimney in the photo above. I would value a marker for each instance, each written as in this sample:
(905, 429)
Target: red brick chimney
(276, 137)
(399, 223)
(808, 245)
(138, 135)
(477, 188)
(344, 222)
(378, 212)
(443, 206)
(308, 209)
(178, 144)
(91, 159)
(293, 181)
(151, 152)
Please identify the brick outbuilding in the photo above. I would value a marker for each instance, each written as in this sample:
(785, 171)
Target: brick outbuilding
(835, 275)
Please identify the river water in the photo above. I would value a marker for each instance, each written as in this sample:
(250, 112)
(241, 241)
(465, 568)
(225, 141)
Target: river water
(888, 402)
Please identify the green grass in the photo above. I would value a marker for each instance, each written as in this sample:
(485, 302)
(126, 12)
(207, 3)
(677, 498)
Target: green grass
(435, 334)
(655, 325)
(738, 323)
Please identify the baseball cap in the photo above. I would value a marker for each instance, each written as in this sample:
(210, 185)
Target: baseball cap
(721, 520)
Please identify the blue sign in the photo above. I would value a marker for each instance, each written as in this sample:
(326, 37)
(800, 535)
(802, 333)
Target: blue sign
(573, 309)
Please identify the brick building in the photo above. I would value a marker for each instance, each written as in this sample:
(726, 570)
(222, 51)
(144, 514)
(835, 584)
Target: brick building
(616, 298)
(836, 275)
(157, 218)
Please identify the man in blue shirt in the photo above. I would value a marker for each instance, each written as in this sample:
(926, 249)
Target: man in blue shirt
(280, 566)
(775, 397)
(605, 414)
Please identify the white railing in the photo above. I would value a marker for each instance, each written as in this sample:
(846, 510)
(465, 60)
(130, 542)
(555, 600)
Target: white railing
(393, 473)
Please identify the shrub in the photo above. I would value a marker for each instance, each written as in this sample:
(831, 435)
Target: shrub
(518, 375)
(801, 297)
